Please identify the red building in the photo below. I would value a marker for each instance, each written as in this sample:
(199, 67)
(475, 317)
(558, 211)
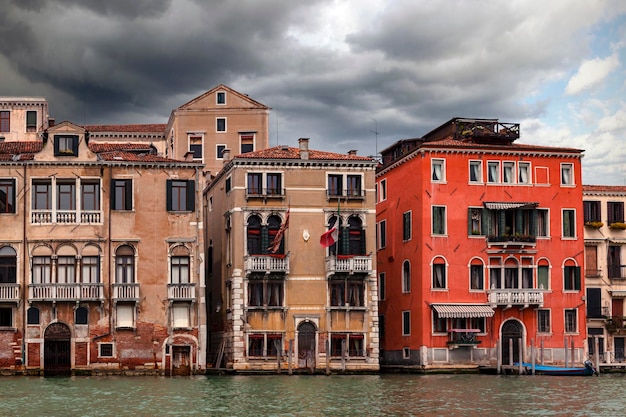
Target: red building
(480, 248)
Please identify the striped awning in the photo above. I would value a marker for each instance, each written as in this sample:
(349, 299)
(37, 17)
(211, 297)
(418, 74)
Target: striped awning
(618, 293)
(509, 206)
(459, 311)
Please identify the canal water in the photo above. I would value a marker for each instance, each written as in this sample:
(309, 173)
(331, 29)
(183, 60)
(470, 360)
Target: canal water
(363, 395)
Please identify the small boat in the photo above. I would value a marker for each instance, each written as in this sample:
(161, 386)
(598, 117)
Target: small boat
(587, 370)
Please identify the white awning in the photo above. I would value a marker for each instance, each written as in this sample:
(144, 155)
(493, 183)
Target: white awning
(618, 293)
(455, 311)
(509, 206)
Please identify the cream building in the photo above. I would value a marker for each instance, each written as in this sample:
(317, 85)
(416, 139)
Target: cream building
(277, 299)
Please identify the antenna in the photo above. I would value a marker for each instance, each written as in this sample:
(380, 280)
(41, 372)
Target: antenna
(375, 132)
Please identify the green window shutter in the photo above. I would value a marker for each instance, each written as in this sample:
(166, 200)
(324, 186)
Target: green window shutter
(469, 221)
(577, 278)
(168, 194)
(191, 195)
(486, 222)
(519, 221)
(533, 223)
(345, 241)
(129, 195)
(265, 239)
(501, 223)
(112, 194)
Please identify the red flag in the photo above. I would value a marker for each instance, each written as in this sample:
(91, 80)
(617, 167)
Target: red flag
(279, 235)
(329, 238)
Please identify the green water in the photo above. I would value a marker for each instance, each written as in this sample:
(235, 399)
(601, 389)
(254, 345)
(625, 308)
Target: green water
(369, 395)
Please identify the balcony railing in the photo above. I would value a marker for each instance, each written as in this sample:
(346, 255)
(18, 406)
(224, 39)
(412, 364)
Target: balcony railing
(66, 216)
(126, 292)
(65, 292)
(354, 193)
(523, 240)
(515, 297)
(9, 293)
(617, 271)
(253, 192)
(267, 264)
(351, 264)
(181, 292)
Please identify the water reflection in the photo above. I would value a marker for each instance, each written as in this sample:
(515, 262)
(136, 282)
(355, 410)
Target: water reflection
(369, 395)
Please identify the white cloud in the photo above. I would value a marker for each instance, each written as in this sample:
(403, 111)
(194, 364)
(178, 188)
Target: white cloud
(591, 73)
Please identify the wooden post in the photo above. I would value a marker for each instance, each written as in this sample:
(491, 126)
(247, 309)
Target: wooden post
(499, 356)
(532, 356)
(565, 350)
(541, 350)
(597, 352)
(571, 342)
(343, 355)
(279, 355)
(511, 352)
(290, 356)
(521, 357)
(328, 356)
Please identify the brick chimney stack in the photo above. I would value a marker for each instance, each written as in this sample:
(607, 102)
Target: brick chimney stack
(304, 148)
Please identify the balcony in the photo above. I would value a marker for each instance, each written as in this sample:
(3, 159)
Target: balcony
(515, 297)
(181, 292)
(348, 264)
(512, 241)
(265, 193)
(9, 293)
(463, 337)
(66, 217)
(351, 194)
(65, 292)
(617, 272)
(126, 292)
(266, 264)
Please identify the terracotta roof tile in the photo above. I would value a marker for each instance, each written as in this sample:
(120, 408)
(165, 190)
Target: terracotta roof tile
(98, 147)
(145, 128)
(14, 148)
(284, 152)
(122, 156)
(604, 188)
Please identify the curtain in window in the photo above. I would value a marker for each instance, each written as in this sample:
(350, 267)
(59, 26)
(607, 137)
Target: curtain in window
(437, 171)
(508, 173)
(275, 294)
(438, 276)
(510, 278)
(492, 171)
(356, 294)
(494, 278)
(255, 298)
(566, 175)
(523, 174)
(438, 220)
(477, 277)
(527, 278)
(475, 172)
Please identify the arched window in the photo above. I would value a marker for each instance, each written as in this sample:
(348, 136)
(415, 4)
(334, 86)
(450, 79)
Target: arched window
(274, 222)
(254, 235)
(477, 278)
(439, 274)
(81, 316)
(179, 265)
(511, 274)
(125, 265)
(8, 265)
(32, 315)
(406, 276)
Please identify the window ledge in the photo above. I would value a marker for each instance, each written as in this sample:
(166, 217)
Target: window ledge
(8, 329)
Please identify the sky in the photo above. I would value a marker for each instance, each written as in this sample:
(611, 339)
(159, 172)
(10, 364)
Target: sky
(348, 74)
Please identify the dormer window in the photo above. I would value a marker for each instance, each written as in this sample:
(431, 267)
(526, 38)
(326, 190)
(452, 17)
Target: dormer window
(66, 145)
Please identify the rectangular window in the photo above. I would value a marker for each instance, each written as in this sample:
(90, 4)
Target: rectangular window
(493, 172)
(180, 315)
(180, 270)
(122, 194)
(335, 185)
(220, 124)
(105, 350)
(90, 269)
(571, 278)
(382, 286)
(438, 173)
(439, 220)
(220, 97)
(247, 143)
(6, 317)
(181, 195)
(614, 262)
(7, 195)
(406, 226)
(66, 269)
(569, 223)
(523, 173)
(477, 280)
(406, 323)
(66, 195)
(42, 269)
(543, 321)
(265, 293)
(219, 151)
(125, 315)
(195, 147)
(228, 185)
(591, 211)
(31, 121)
(65, 145)
(274, 184)
(542, 226)
(382, 234)
(439, 276)
(475, 221)
(567, 174)
(255, 183)
(543, 277)
(5, 121)
(90, 195)
(615, 212)
(353, 186)
(476, 171)
(440, 325)
(508, 172)
(383, 190)
(571, 321)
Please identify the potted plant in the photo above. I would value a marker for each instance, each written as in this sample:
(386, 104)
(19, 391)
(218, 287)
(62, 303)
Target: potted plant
(618, 226)
(594, 224)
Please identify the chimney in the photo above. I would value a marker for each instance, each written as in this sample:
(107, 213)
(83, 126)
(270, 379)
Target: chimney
(51, 121)
(352, 152)
(226, 155)
(304, 148)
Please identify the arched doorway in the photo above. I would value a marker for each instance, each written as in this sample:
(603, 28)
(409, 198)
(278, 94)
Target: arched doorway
(511, 332)
(57, 358)
(306, 345)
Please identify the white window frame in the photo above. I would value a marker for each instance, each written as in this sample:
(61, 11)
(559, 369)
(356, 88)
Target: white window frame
(498, 173)
(217, 119)
(445, 220)
(181, 315)
(569, 169)
(482, 266)
(441, 163)
(408, 213)
(193, 135)
(549, 331)
(574, 234)
(527, 167)
(479, 164)
(513, 172)
(445, 274)
(547, 211)
(242, 135)
(133, 319)
(575, 310)
(383, 190)
(217, 98)
(217, 147)
(406, 277)
(113, 353)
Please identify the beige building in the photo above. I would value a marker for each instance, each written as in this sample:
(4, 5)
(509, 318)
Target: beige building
(219, 119)
(605, 272)
(276, 297)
